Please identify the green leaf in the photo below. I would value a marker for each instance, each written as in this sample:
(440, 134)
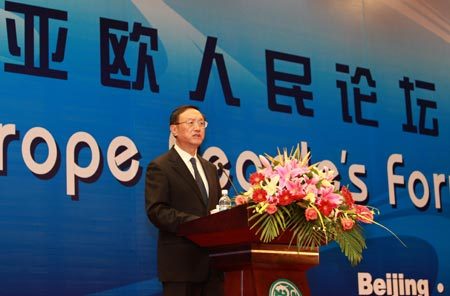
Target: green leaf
(269, 226)
(307, 234)
(352, 244)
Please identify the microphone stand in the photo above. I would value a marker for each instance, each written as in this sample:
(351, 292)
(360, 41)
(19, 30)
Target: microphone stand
(222, 168)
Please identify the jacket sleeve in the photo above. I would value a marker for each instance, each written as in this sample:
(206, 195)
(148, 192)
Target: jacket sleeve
(158, 203)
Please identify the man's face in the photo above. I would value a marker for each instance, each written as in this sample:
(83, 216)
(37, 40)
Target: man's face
(188, 132)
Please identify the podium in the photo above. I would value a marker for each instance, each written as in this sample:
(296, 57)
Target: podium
(251, 268)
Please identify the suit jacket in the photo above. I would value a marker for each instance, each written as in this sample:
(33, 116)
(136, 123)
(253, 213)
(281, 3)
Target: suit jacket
(172, 197)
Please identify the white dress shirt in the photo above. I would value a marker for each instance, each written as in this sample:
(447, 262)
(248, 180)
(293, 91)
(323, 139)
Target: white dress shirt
(186, 157)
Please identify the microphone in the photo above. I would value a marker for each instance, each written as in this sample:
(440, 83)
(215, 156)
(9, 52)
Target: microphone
(222, 168)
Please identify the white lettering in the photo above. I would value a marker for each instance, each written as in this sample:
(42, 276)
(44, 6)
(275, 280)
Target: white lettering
(330, 165)
(394, 179)
(422, 201)
(354, 171)
(73, 170)
(6, 130)
(438, 181)
(115, 161)
(216, 155)
(422, 287)
(379, 287)
(364, 283)
(393, 285)
(243, 160)
(30, 137)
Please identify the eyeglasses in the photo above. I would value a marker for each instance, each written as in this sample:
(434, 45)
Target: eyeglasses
(191, 123)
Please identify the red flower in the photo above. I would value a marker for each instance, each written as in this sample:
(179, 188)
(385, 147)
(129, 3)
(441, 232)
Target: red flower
(310, 214)
(255, 178)
(326, 207)
(259, 195)
(364, 214)
(347, 196)
(285, 198)
(299, 196)
(271, 209)
(347, 223)
(240, 200)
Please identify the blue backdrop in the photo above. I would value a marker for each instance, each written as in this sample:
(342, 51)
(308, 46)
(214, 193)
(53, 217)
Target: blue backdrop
(87, 89)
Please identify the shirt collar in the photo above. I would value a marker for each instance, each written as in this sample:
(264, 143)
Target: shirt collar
(186, 157)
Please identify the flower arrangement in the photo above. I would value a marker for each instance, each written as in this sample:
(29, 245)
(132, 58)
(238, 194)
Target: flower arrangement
(289, 194)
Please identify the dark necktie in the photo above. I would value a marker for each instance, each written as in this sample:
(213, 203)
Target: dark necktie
(199, 181)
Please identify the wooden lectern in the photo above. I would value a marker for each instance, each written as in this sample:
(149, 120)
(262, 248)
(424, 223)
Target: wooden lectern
(250, 266)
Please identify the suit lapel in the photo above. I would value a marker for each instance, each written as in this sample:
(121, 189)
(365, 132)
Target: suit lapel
(180, 167)
(210, 178)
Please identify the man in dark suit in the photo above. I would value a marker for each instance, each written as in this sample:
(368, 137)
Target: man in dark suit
(182, 186)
